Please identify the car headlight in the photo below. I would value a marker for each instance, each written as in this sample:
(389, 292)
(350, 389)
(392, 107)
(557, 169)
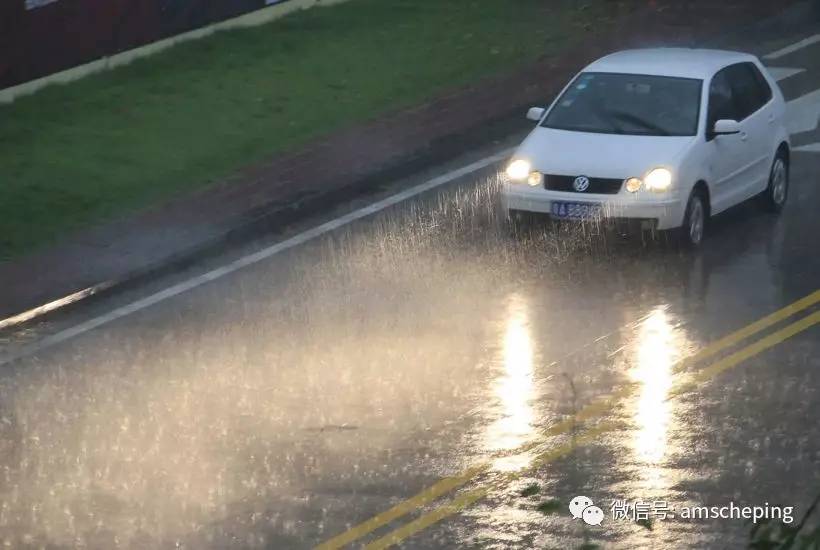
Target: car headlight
(658, 179)
(633, 184)
(519, 170)
(535, 179)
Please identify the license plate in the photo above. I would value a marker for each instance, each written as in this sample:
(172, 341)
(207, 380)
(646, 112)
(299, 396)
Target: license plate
(576, 210)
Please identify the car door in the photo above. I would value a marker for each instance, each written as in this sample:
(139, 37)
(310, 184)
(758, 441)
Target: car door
(756, 112)
(729, 155)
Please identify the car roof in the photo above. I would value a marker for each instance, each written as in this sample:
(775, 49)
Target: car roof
(680, 62)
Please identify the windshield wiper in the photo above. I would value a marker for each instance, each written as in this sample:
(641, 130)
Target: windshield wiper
(606, 114)
(633, 119)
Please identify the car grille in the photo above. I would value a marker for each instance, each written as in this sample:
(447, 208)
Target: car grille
(603, 186)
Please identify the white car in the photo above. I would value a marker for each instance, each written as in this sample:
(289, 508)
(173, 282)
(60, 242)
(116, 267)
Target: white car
(667, 136)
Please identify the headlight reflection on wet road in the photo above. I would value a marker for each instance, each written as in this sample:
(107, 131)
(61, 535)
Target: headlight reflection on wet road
(659, 346)
(514, 388)
(654, 373)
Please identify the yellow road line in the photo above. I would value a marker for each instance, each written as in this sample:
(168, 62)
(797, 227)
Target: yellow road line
(759, 325)
(592, 410)
(736, 358)
(454, 506)
(470, 497)
(405, 507)
(728, 362)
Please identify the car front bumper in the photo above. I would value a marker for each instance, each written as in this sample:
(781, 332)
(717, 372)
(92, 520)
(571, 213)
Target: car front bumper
(663, 212)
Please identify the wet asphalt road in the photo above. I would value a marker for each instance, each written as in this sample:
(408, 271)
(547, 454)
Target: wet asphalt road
(285, 403)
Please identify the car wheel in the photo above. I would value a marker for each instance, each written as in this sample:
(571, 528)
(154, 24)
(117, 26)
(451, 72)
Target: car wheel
(776, 193)
(695, 220)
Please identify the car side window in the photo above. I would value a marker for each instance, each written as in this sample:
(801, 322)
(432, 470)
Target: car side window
(721, 100)
(762, 83)
(749, 96)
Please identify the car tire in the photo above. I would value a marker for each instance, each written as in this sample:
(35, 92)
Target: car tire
(774, 197)
(695, 220)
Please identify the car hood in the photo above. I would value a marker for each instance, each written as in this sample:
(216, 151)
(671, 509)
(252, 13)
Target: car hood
(568, 153)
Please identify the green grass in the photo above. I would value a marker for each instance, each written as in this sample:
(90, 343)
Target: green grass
(112, 143)
(549, 506)
(530, 490)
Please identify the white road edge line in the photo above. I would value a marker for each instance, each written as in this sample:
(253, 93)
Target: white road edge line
(810, 148)
(793, 48)
(782, 73)
(250, 259)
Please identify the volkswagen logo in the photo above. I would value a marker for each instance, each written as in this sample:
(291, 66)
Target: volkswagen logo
(581, 184)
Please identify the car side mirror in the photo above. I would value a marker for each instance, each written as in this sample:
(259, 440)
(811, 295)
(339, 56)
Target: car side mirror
(535, 113)
(725, 127)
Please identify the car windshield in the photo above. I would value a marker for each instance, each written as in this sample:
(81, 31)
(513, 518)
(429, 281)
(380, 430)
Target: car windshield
(632, 104)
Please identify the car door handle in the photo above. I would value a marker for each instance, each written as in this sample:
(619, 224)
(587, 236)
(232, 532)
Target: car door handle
(771, 119)
(744, 136)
